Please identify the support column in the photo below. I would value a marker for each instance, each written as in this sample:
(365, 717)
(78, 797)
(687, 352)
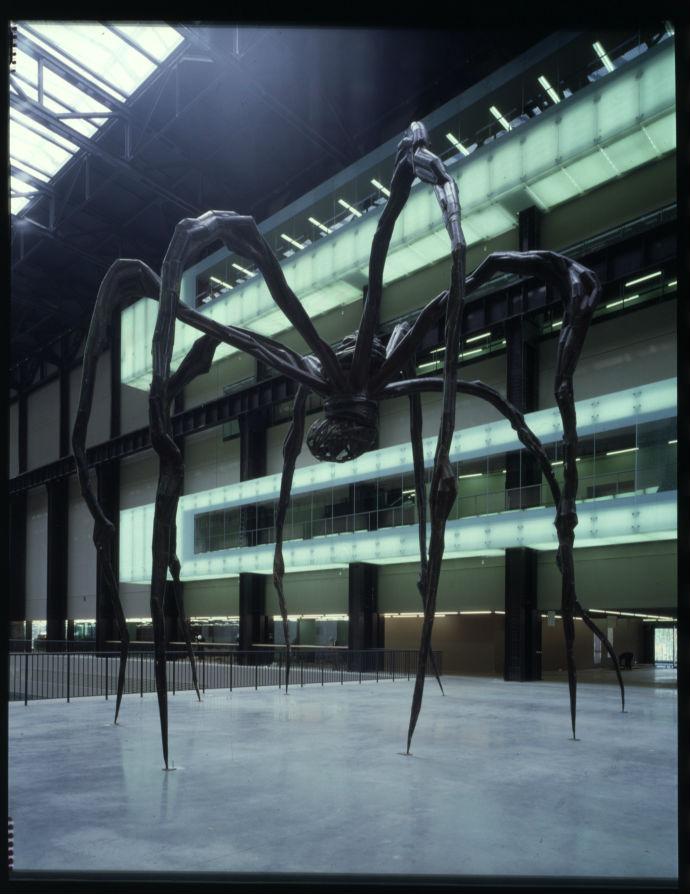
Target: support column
(363, 505)
(365, 630)
(22, 414)
(115, 377)
(255, 625)
(108, 492)
(522, 617)
(56, 595)
(65, 446)
(17, 564)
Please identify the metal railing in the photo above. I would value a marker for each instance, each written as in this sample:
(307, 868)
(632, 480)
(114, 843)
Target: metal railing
(303, 523)
(68, 675)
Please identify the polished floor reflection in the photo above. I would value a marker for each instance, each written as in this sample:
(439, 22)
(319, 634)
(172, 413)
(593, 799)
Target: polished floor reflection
(315, 782)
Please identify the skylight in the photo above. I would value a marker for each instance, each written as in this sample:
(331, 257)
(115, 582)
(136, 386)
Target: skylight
(73, 69)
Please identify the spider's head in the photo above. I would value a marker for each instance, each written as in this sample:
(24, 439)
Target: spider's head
(349, 429)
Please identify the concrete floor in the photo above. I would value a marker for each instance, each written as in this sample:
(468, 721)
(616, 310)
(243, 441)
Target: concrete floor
(315, 782)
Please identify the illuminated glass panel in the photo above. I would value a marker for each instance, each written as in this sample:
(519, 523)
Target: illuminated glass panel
(623, 520)
(589, 138)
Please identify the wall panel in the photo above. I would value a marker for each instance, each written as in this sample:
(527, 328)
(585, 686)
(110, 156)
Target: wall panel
(210, 461)
(36, 554)
(81, 559)
(43, 425)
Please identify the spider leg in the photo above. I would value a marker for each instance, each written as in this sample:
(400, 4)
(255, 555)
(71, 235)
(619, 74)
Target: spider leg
(291, 450)
(197, 361)
(400, 186)
(239, 233)
(420, 495)
(124, 279)
(580, 291)
(444, 485)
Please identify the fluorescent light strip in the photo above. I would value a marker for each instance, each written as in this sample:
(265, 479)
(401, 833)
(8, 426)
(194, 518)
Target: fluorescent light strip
(626, 300)
(380, 186)
(549, 89)
(674, 441)
(557, 324)
(457, 144)
(601, 53)
(321, 226)
(464, 354)
(497, 115)
(477, 337)
(559, 462)
(472, 475)
(350, 208)
(625, 450)
(242, 269)
(634, 282)
(221, 282)
(482, 612)
(673, 282)
(292, 241)
(428, 365)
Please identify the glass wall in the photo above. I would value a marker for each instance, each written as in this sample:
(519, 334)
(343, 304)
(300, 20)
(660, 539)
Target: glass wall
(632, 460)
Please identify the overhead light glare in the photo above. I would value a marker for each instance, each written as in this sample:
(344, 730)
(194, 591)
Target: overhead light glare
(292, 241)
(603, 56)
(350, 208)
(549, 89)
(634, 282)
(477, 337)
(457, 144)
(242, 269)
(497, 115)
(472, 475)
(556, 324)
(321, 226)
(380, 186)
(674, 441)
(226, 285)
(624, 450)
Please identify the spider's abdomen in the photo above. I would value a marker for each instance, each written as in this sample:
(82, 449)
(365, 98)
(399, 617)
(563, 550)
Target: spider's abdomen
(349, 430)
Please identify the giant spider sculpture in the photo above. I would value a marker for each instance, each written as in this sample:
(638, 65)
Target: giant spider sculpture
(351, 380)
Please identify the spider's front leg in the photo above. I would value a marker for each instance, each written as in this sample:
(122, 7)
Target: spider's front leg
(291, 450)
(125, 279)
(580, 292)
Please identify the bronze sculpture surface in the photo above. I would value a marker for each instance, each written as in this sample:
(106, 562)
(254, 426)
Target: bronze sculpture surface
(351, 379)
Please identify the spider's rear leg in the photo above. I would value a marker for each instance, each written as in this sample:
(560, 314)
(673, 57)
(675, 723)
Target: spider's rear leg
(420, 495)
(125, 278)
(291, 450)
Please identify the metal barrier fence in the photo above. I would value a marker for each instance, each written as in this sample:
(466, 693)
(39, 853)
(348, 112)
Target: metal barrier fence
(67, 675)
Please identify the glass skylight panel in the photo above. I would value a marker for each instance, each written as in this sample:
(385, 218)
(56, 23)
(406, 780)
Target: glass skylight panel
(100, 50)
(159, 41)
(36, 149)
(103, 55)
(71, 62)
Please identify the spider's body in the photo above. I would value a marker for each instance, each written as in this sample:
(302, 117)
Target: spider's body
(351, 380)
(350, 425)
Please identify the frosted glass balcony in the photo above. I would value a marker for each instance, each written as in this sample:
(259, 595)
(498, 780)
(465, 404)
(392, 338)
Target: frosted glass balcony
(599, 133)
(638, 407)
(621, 520)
